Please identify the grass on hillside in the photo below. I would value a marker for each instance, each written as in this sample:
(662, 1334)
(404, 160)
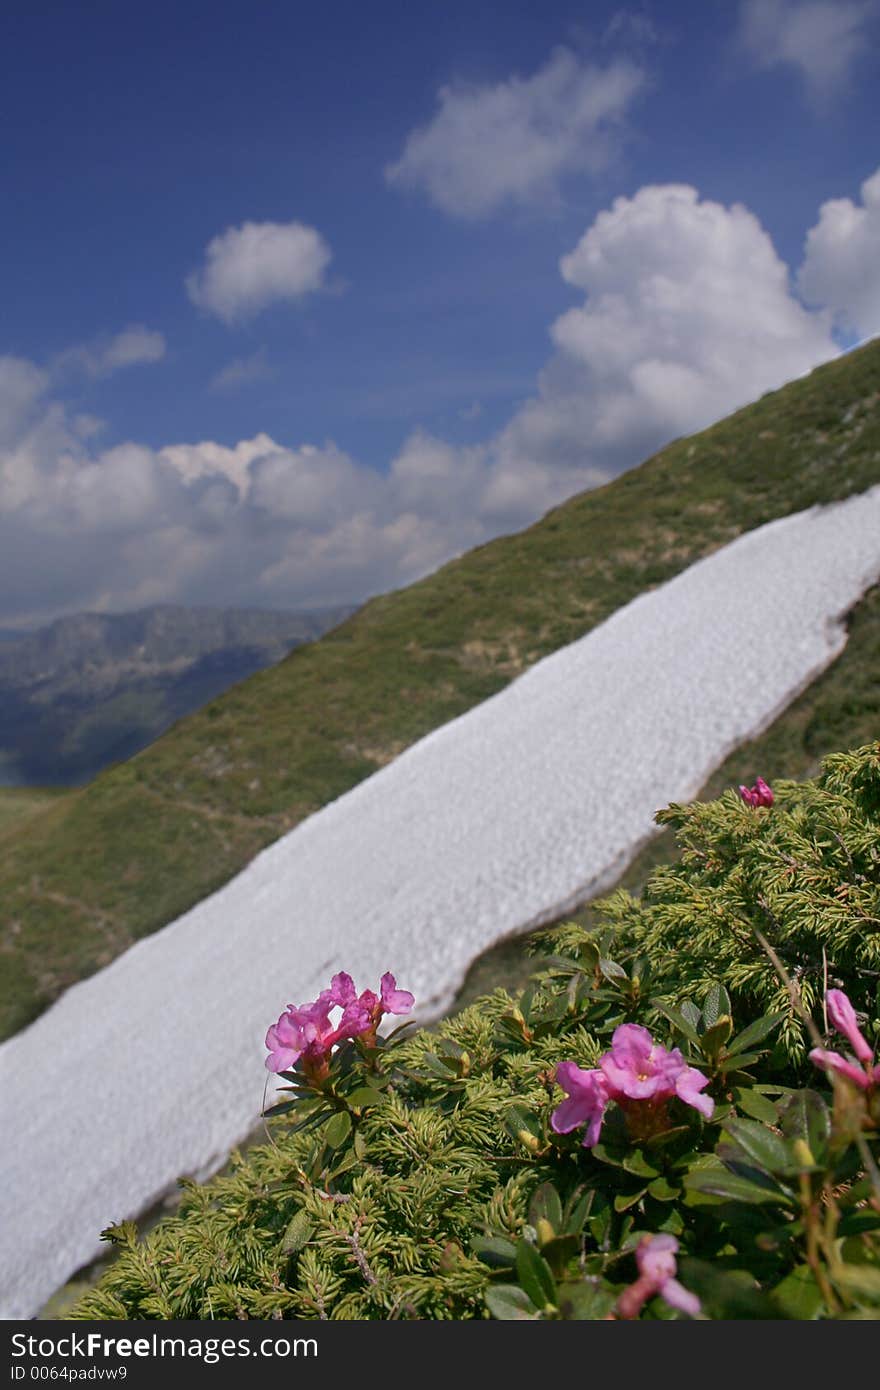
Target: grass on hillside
(19, 804)
(151, 837)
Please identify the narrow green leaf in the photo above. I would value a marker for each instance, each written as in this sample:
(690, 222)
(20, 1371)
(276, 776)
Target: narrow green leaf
(611, 970)
(635, 1162)
(494, 1251)
(338, 1130)
(752, 1103)
(755, 1033)
(804, 1115)
(762, 1147)
(509, 1303)
(586, 1301)
(547, 1206)
(716, 1003)
(535, 1275)
(624, 1200)
(299, 1232)
(364, 1096)
(678, 1021)
(798, 1295)
(730, 1187)
(663, 1190)
(577, 1209)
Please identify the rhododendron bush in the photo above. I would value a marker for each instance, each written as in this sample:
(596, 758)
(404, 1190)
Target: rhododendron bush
(677, 1119)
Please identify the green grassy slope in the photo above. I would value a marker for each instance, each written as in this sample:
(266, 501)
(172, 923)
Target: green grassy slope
(154, 835)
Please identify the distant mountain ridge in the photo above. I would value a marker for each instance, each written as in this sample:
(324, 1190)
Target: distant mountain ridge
(94, 688)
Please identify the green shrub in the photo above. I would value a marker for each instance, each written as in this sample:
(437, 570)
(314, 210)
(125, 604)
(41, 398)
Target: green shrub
(422, 1177)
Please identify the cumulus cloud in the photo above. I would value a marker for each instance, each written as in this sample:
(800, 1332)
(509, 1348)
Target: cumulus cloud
(134, 346)
(841, 266)
(515, 140)
(686, 312)
(821, 39)
(247, 268)
(688, 315)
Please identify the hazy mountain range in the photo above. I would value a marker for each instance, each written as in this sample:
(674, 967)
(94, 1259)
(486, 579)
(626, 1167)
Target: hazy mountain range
(94, 688)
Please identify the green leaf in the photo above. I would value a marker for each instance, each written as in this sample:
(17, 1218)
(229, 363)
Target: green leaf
(585, 1301)
(624, 1200)
(730, 1065)
(611, 970)
(731, 1187)
(804, 1115)
(282, 1108)
(494, 1251)
(663, 1190)
(508, 1303)
(678, 1021)
(299, 1232)
(755, 1033)
(692, 1013)
(798, 1296)
(724, 1293)
(338, 1130)
(761, 1146)
(715, 1037)
(559, 1251)
(716, 1003)
(535, 1275)
(364, 1096)
(635, 1162)
(546, 1206)
(755, 1104)
(524, 1126)
(577, 1209)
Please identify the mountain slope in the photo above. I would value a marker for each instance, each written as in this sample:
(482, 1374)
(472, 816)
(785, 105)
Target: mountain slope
(94, 688)
(147, 839)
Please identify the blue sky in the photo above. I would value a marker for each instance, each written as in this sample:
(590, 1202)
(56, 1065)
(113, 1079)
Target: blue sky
(299, 301)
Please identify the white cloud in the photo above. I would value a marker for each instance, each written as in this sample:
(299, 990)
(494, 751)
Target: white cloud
(514, 141)
(841, 266)
(247, 268)
(134, 346)
(688, 315)
(821, 39)
(687, 312)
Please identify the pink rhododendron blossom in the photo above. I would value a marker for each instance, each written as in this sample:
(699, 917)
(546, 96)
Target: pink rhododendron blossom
(306, 1035)
(843, 1017)
(655, 1257)
(637, 1073)
(394, 1000)
(833, 1061)
(758, 795)
(639, 1069)
(588, 1097)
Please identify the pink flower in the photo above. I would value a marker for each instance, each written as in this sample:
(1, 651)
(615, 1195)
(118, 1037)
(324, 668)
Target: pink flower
(637, 1073)
(639, 1069)
(588, 1097)
(304, 1034)
(762, 792)
(655, 1257)
(758, 795)
(832, 1061)
(394, 1000)
(843, 1017)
